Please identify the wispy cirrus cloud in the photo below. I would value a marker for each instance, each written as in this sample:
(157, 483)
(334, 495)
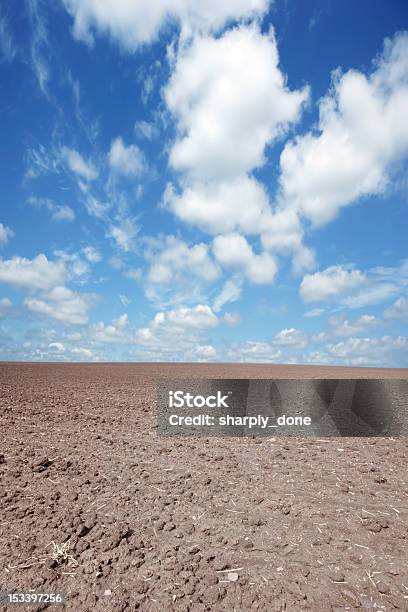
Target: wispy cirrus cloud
(8, 46)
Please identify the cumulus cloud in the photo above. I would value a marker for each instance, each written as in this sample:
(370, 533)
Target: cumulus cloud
(171, 257)
(369, 351)
(330, 283)
(233, 250)
(199, 317)
(126, 160)
(360, 134)
(5, 234)
(37, 273)
(64, 305)
(74, 265)
(255, 352)
(82, 354)
(56, 347)
(115, 332)
(343, 327)
(229, 99)
(179, 332)
(205, 352)
(77, 164)
(290, 337)
(63, 213)
(224, 206)
(132, 23)
(354, 288)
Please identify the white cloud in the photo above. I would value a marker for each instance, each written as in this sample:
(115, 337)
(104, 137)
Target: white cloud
(282, 231)
(353, 288)
(56, 347)
(59, 212)
(304, 259)
(261, 352)
(132, 23)
(398, 310)
(92, 254)
(75, 266)
(63, 213)
(124, 233)
(42, 160)
(261, 269)
(146, 129)
(233, 250)
(343, 327)
(39, 45)
(38, 273)
(5, 234)
(78, 165)
(64, 305)
(116, 332)
(231, 318)
(178, 334)
(314, 312)
(205, 352)
(170, 259)
(230, 292)
(95, 208)
(126, 160)
(362, 131)
(240, 204)
(320, 337)
(369, 351)
(230, 99)
(331, 283)
(8, 49)
(124, 300)
(290, 337)
(82, 354)
(171, 326)
(370, 295)
(199, 317)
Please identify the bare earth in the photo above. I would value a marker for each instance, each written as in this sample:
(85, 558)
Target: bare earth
(141, 522)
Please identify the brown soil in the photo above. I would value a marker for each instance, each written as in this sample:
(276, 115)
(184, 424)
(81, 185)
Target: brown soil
(191, 524)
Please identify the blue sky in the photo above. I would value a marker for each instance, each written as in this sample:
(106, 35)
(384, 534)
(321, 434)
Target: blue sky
(219, 181)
